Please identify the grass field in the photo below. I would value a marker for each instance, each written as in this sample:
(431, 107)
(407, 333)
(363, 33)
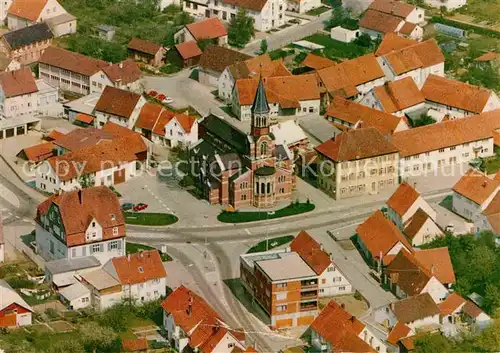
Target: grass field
(150, 219)
(242, 217)
(270, 244)
(132, 248)
(483, 10)
(335, 49)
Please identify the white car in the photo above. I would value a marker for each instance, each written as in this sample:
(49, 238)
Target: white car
(168, 100)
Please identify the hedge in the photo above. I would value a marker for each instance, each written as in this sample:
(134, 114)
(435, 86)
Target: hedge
(242, 217)
(467, 26)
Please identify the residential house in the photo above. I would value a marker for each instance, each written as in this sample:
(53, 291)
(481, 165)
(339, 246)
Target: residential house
(192, 324)
(451, 308)
(316, 62)
(64, 272)
(104, 289)
(357, 162)
(124, 75)
(24, 13)
(97, 229)
(14, 311)
(26, 45)
(261, 65)
(331, 280)
(18, 94)
(392, 42)
(118, 106)
(302, 6)
(2, 241)
(145, 51)
(210, 29)
(450, 5)
(456, 99)
(214, 61)
(70, 71)
(380, 240)
(437, 147)
(37, 153)
(76, 296)
(147, 119)
(284, 285)
(396, 97)
(438, 262)
(346, 114)
(266, 14)
(422, 229)
(189, 53)
(409, 13)
(62, 25)
(376, 24)
(489, 218)
(475, 316)
(473, 193)
(48, 103)
(175, 130)
(417, 61)
(286, 95)
(335, 330)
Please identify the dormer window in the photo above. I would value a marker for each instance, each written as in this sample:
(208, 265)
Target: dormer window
(93, 224)
(113, 217)
(141, 270)
(115, 230)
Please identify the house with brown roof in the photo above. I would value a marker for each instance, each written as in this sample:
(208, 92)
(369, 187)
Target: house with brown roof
(18, 90)
(188, 52)
(316, 62)
(145, 51)
(356, 163)
(261, 65)
(192, 324)
(421, 228)
(118, 106)
(457, 99)
(124, 75)
(392, 42)
(346, 114)
(331, 280)
(286, 95)
(210, 29)
(214, 61)
(75, 224)
(395, 97)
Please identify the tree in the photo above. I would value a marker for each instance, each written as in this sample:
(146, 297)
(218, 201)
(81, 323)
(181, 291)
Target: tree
(489, 339)
(487, 76)
(263, 46)
(364, 40)
(424, 120)
(65, 346)
(203, 43)
(338, 17)
(240, 29)
(86, 181)
(97, 338)
(434, 343)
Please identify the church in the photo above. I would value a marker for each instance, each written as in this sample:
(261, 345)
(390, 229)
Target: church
(239, 169)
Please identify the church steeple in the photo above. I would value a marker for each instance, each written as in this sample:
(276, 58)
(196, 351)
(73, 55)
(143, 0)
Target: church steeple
(260, 111)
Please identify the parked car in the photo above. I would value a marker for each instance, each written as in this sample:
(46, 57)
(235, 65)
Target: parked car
(140, 207)
(152, 93)
(161, 97)
(168, 100)
(127, 206)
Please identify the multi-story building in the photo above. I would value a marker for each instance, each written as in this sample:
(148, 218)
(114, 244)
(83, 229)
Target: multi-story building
(283, 284)
(124, 75)
(18, 94)
(118, 106)
(26, 45)
(80, 223)
(24, 13)
(266, 14)
(357, 162)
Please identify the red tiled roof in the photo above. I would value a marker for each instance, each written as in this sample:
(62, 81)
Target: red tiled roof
(209, 28)
(72, 61)
(39, 152)
(407, 28)
(403, 198)
(408, 274)
(317, 62)
(398, 332)
(451, 304)
(392, 42)
(438, 262)
(393, 7)
(341, 329)
(18, 82)
(139, 267)
(310, 251)
(399, 95)
(490, 56)
(148, 116)
(124, 72)
(379, 21)
(472, 309)
(117, 102)
(476, 186)
(415, 308)
(27, 9)
(423, 54)
(379, 235)
(84, 118)
(135, 345)
(55, 135)
(188, 49)
(143, 46)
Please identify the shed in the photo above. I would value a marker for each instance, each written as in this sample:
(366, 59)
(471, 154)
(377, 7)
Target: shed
(76, 296)
(343, 34)
(106, 32)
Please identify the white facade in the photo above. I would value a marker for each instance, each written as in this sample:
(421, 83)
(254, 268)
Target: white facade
(225, 85)
(365, 88)
(457, 113)
(302, 6)
(4, 7)
(436, 290)
(51, 9)
(401, 221)
(100, 80)
(333, 282)
(416, 16)
(102, 118)
(469, 209)
(22, 105)
(175, 134)
(343, 34)
(448, 4)
(418, 75)
(146, 291)
(48, 99)
(426, 233)
(385, 316)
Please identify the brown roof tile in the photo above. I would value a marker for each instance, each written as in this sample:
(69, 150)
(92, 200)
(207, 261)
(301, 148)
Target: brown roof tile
(451, 304)
(18, 82)
(135, 345)
(83, 138)
(404, 61)
(403, 198)
(393, 7)
(317, 62)
(39, 152)
(55, 135)
(398, 332)
(379, 21)
(392, 42)
(27, 9)
(408, 274)
(217, 58)
(209, 28)
(399, 95)
(188, 50)
(261, 65)
(71, 61)
(143, 46)
(353, 113)
(139, 267)
(472, 309)
(148, 116)
(455, 94)
(416, 223)
(422, 54)
(407, 28)
(124, 72)
(490, 56)
(415, 308)
(438, 262)
(117, 102)
(310, 251)
(356, 144)
(476, 186)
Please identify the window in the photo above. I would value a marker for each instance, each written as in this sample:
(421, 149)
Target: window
(115, 230)
(342, 288)
(441, 150)
(281, 308)
(452, 148)
(112, 245)
(95, 248)
(243, 197)
(281, 285)
(156, 281)
(263, 148)
(141, 270)
(73, 252)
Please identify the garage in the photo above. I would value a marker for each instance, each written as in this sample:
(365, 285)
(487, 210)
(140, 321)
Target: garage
(119, 176)
(305, 320)
(284, 323)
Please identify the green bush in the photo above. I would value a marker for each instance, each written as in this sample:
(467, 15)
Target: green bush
(51, 313)
(150, 219)
(240, 217)
(19, 282)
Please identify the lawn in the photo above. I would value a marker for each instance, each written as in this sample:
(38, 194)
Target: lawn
(490, 165)
(150, 219)
(483, 10)
(318, 11)
(335, 49)
(242, 217)
(132, 248)
(270, 244)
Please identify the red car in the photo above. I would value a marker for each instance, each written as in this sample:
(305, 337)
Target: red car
(140, 207)
(161, 97)
(152, 93)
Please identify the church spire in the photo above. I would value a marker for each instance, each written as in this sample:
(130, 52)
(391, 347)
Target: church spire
(260, 105)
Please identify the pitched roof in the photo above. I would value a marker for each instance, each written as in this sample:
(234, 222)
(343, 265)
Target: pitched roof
(188, 50)
(451, 304)
(134, 345)
(28, 35)
(98, 203)
(143, 46)
(399, 95)
(352, 112)
(18, 82)
(72, 61)
(340, 329)
(392, 42)
(9, 296)
(123, 72)
(83, 138)
(420, 55)
(399, 331)
(490, 56)
(231, 135)
(446, 134)
(39, 152)
(184, 120)
(356, 144)
(139, 267)
(261, 65)
(408, 274)
(217, 58)
(415, 308)
(209, 28)
(117, 102)
(393, 7)
(27, 9)
(416, 223)
(254, 5)
(455, 94)
(310, 251)
(317, 62)
(438, 262)
(380, 235)
(379, 21)
(148, 116)
(472, 309)
(345, 76)
(476, 186)
(407, 28)
(403, 198)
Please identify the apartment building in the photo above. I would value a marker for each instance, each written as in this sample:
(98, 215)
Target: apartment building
(81, 223)
(357, 162)
(267, 14)
(283, 284)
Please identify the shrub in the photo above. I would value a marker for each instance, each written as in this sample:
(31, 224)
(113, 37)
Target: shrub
(51, 313)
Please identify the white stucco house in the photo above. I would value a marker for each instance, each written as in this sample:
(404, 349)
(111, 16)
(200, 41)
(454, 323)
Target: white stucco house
(343, 34)
(118, 106)
(302, 6)
(24, 13)
(450, 5)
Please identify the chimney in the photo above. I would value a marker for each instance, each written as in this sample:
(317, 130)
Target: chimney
(353, 318)
(190, 305)
(333, 137)
(360, 124)
(121, 64)
(342, 306)
(80, 196)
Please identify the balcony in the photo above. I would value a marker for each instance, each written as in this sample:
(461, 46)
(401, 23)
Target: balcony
(309, 306)
(309, 294)
(312, 283)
